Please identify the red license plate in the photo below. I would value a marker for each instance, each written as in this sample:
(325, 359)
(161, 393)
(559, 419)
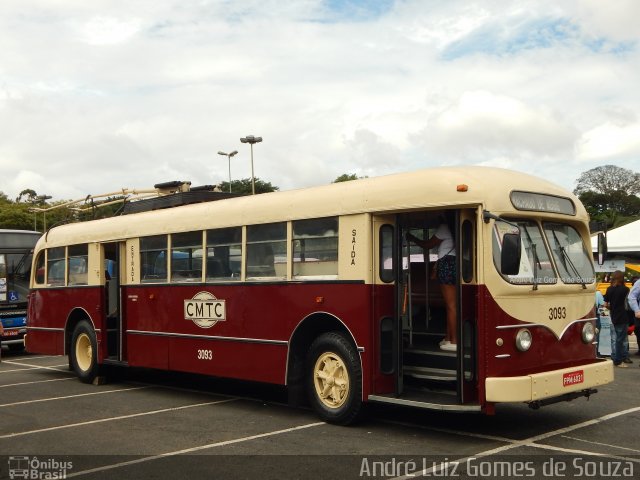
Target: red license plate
(572, 378)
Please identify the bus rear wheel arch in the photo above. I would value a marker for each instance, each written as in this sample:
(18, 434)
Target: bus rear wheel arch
(334, 378)
(83, 354)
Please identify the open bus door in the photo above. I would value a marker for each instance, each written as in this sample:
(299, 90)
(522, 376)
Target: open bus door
(426, 375)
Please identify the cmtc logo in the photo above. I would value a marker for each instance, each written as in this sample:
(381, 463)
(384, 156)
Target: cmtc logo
(205, 310)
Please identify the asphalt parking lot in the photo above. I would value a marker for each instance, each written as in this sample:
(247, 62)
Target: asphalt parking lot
(144, 424)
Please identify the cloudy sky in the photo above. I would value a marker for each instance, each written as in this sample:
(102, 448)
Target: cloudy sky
(104, 94)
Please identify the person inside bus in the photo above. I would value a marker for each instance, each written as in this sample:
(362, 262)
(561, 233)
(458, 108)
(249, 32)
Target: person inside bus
(446, 274)
(615, 298)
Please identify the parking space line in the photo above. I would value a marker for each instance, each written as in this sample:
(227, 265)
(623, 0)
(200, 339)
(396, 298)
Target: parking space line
(531, 442)
(193, 449)
(43, 367)
(450, 431)
(600, 443)
(112, 419)
(70, 396)
(37, 381)
(586, 453)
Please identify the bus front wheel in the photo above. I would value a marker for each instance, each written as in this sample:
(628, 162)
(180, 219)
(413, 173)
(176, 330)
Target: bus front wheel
(83, 352)
(334, 378)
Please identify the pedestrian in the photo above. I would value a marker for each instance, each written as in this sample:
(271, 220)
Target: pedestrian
(599, 312)
(615, 299)
(634, 304)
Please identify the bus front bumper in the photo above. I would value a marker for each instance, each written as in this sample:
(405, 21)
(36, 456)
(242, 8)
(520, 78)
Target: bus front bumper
(556, 383)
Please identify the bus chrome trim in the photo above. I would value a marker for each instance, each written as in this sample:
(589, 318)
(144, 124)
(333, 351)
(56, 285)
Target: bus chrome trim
(425, 405)
(504, 355)
(529, 325)
(538, 386)
(208, 337)
(46, 329)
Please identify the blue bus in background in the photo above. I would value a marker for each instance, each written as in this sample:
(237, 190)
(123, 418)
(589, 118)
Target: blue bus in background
(16, 249)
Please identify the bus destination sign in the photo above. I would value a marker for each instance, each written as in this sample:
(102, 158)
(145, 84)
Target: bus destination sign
(204, 310)
(539, 202)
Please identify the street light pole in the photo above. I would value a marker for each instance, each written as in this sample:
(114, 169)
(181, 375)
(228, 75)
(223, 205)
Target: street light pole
(250, 139)
(229, 155)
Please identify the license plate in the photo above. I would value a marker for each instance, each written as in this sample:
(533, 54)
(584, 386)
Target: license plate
(572, 378)
(11, 333)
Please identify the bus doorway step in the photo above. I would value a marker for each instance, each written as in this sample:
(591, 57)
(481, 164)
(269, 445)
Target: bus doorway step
(427, 400)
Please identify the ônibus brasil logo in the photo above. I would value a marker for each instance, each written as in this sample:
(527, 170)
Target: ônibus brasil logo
(204, 310)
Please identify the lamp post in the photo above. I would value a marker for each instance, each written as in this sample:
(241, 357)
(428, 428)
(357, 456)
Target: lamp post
(250, 139)
(229, 155)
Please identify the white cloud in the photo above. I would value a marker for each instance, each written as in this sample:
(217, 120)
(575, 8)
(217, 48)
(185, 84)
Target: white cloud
(610, 141)
(128, 94)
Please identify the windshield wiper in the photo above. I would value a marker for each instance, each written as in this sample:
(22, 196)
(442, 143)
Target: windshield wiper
(567, 260)
(536, 259)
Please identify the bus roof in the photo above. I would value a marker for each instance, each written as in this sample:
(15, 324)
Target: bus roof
(17, 239)
(427, 188)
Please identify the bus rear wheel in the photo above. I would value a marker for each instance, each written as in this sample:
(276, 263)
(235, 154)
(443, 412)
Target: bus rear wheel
(83, 352)
(334, 378)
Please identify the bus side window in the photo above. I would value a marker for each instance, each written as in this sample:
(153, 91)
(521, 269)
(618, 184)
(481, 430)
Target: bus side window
(39, 273)
(78, 264)
(267, 250)
(153, 258)
(224, 254)
(56, 266)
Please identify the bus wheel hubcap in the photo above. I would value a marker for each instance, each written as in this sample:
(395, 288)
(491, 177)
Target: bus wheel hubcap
(84, 352)
(331, 380)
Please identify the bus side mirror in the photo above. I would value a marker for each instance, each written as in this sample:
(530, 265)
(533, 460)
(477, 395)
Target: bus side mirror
(602, 248)
(511, 253)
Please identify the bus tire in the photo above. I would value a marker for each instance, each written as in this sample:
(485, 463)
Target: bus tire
(83, 354)
(334, 378)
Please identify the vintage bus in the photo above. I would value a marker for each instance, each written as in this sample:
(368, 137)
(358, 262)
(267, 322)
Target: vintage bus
(16, 247)
(319, 290)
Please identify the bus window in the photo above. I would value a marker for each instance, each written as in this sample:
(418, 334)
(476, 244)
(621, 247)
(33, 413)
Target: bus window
(386, 254)
(186, 257)
(467, 251)
(153, 258)
(535, 265)
(40, 268)
(224, 254)
(267, 250)
(55, 266)
(572, 258)
(77, 266)
(315, 247)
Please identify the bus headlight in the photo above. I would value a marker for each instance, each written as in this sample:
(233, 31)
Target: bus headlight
(523, 340)
(588, 332)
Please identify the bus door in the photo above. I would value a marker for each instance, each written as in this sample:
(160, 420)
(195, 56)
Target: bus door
(468, 294)
(113, 305)
(422, 311)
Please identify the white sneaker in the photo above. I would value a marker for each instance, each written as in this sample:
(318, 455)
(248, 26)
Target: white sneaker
(444, 341)
(449, 347)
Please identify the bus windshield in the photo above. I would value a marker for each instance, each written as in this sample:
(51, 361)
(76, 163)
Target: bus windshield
(14, 276)
(569, 253)
(567, 249)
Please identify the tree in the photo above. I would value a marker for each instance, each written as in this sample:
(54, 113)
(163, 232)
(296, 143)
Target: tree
(347, 177)
(244, 186)
(610, 194)
(608, 179)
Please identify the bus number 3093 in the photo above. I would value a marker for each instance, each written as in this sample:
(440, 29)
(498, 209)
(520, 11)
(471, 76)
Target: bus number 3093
(205, 354)
(557, 313)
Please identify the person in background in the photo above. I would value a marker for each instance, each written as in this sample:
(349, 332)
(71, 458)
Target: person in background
(599, 311)
(615, 299)
(634, 304)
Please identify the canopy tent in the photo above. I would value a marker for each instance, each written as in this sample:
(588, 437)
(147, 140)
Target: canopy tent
(625, 239)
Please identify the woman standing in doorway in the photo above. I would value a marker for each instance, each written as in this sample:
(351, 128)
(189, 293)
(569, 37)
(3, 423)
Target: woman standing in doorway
(446, 274)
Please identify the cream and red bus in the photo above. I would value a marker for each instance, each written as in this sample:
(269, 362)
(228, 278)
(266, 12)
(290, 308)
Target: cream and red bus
(319, 290)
